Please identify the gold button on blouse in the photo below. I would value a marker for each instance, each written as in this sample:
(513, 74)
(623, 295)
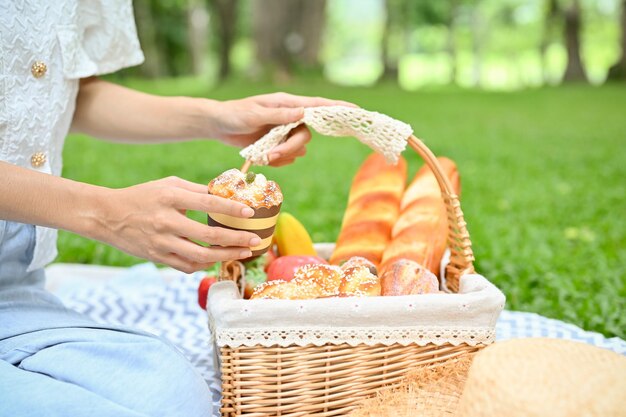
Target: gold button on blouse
(38, 159)
(38, 69)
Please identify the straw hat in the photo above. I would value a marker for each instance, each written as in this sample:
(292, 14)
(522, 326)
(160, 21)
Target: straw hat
(524, 377)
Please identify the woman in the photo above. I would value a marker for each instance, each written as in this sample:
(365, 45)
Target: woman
(54, 361)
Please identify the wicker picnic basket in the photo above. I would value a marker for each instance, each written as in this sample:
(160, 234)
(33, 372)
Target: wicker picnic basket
(282, 373)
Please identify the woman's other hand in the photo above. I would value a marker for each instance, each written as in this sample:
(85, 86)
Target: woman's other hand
(242, 122)
(149, 221)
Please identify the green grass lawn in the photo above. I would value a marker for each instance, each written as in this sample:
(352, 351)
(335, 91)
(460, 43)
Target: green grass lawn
(543, 173)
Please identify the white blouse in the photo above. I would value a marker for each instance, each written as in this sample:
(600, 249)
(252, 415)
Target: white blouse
(46, 47)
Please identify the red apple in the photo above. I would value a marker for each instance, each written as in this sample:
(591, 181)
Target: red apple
(203, 289)
(284, 267)
(271, 257)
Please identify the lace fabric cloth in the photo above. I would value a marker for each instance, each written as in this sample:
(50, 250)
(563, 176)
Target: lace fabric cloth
(380, 132)
(467, 317)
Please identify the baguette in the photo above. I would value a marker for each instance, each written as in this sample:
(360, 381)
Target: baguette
(373, 208)
(421, 231)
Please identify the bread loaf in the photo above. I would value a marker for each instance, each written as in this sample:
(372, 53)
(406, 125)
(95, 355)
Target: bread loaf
(373, 208)
(358, 281)
(405, 277)
(288, 290)
(322, 281)
(421, 231)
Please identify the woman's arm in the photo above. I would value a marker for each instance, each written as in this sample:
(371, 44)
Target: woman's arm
(146, 220)
(113, 112)
(28, 196)
(110, 111)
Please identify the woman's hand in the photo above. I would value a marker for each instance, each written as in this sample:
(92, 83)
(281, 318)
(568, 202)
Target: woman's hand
(146, 220)
(149, 221)
(242, 122)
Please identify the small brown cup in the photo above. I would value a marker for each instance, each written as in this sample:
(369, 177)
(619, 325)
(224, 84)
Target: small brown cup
(262, 223)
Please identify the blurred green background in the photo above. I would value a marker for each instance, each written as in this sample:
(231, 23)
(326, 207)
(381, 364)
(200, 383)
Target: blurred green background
(527, 96)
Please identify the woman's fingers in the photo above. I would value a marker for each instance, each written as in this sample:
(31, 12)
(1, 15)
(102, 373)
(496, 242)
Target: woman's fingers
(205, 255)
(191, 229)
(292, 147)
(283, 162)
(282, 108)
(188, 200)
(183, 264)
(290, 100)
(279, 116)
(187, 185)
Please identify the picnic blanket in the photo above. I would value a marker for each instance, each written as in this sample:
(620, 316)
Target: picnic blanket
(140, 297)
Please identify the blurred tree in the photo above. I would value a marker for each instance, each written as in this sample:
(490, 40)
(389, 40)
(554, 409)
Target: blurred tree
(226, 13)
(312, 25)
(548, 34)
(402, 19)
(270, 30)
(197, 23)
(393, 22)
(163, 28)
(478, 26)
(146, 29)
(451, 41)
(618, 70)
(288, 34)
(574, 70)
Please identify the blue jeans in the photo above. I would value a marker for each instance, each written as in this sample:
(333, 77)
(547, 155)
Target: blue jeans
(56, 362)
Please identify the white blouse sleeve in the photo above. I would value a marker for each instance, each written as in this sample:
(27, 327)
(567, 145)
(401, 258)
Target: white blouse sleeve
(102, 39)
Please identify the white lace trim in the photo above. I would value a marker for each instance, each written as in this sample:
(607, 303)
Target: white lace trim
(353, 336)
(468, 317)
(380, 132)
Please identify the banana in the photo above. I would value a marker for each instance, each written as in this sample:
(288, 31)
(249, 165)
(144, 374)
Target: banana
(291, 237)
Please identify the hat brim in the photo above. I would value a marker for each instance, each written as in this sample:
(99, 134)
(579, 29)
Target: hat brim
(516, 378)
(426, 391)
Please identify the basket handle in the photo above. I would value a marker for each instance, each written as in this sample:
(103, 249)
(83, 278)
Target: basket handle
(461, 254)
(459, 243)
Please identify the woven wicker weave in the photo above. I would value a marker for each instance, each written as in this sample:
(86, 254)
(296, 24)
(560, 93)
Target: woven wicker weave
(329, 380)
